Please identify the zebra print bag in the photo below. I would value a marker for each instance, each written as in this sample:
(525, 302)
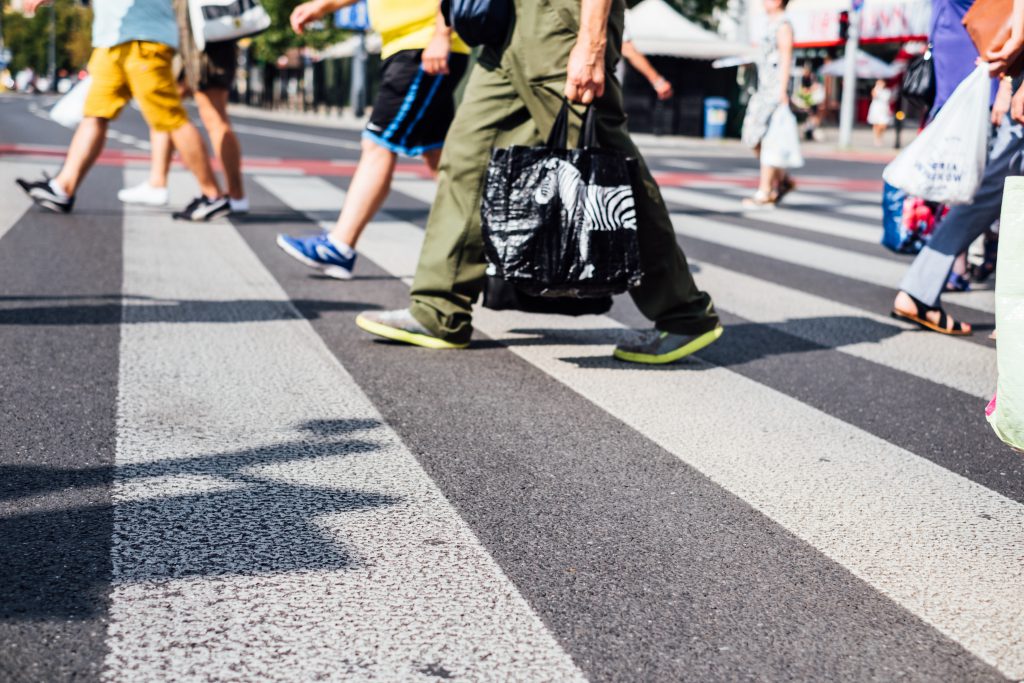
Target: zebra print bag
(561, 222)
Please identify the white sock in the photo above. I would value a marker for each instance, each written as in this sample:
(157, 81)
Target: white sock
(343, 249)
(57, 189)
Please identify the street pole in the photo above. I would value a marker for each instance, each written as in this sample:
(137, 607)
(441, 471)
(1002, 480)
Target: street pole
(357, 91)
(51, 70)
(846, 108)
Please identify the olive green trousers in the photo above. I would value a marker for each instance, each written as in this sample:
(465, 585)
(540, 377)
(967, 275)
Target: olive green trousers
(512, 98)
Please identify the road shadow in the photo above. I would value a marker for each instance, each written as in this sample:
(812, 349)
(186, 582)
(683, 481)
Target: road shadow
(742, 343)
(209, 515)
(110, 311)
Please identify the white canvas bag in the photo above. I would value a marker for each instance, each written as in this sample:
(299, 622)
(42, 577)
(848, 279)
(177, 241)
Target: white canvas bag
(946, 161)
(216, 21)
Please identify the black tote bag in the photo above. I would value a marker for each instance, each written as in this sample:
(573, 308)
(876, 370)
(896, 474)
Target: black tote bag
(918, 84)
(561, 222)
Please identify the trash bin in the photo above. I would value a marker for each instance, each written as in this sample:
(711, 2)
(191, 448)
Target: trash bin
(716, 112)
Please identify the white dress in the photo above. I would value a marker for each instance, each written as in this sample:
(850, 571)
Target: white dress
(879, 113)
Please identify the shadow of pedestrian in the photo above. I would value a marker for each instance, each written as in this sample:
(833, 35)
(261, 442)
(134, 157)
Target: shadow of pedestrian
(223, 513)
(112, 312)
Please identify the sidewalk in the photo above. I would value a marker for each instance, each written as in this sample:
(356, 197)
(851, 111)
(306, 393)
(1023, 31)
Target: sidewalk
(862, 149)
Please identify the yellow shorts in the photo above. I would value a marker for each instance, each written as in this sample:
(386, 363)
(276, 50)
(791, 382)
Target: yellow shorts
(136, 69)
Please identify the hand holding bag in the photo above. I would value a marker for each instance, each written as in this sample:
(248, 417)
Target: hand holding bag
(989, 24)
(562, 222)
(946, 161)
(218, 21)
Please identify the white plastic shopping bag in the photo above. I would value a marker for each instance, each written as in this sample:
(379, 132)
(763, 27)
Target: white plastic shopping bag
(215, 21)
(69, 110)
(946, 161)
(780, 146)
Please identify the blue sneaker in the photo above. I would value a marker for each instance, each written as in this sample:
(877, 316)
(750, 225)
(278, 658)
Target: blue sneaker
(316, 251)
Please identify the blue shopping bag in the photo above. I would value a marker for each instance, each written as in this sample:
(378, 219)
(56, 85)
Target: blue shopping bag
(907, 222)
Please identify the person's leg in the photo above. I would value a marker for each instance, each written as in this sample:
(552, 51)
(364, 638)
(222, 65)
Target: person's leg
(213, 110)
(85, 148)
(450, 274)
(432, 158)
(161, 150)
(370, 185)
(927, 275)
(152, 83)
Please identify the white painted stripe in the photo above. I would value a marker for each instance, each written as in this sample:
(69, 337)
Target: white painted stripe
(421, 189)
(16, 202)
(279, 134)
(802, 220)
(943, 547)
(955, 363)
(872, 211)
(267, 524)
(686, 165)
(873, 269)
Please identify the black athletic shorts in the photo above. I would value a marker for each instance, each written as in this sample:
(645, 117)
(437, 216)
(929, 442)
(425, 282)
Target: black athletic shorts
(414, 109)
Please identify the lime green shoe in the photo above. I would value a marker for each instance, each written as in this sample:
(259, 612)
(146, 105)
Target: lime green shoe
(655, 347)
(400, 326)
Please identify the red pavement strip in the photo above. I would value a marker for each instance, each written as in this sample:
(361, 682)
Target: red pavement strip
(114, 157)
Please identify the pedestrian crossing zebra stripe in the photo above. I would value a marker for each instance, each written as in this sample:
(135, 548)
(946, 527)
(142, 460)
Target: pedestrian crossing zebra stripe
(874, 270)
(267, 523)
(16, 202)
(953, 574)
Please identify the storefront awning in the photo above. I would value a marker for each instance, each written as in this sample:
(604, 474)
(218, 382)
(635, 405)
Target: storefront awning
(816, 22)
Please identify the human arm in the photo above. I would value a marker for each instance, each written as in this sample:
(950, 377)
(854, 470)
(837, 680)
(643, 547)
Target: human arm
(644, 66)
(584, 77)
(999, 60)
(784, 39)
(435, 54)
(1003, 98)
(313, 10)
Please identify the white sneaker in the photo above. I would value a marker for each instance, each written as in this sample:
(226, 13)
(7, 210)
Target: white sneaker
(239, 206)
(144, 194)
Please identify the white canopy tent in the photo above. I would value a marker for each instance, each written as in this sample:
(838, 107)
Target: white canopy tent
(657, 29)
(868, 67)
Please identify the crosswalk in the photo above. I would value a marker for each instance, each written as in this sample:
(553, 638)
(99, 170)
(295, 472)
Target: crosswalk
(293, 501)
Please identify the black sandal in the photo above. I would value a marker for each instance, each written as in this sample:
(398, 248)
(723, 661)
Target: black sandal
(921, 318)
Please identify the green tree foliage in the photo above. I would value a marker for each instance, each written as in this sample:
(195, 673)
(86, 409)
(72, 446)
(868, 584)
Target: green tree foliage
(275, 41)
(28, 38)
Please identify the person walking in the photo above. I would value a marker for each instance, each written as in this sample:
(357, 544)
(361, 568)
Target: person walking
(133, 45)
(880, 111)
(919, 297)
(208, 75)
(423, 63)
(774, 67)
(556, 49)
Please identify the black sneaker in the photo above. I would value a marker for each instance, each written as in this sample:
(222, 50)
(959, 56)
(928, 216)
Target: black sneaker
(203, 209)
(43, 195)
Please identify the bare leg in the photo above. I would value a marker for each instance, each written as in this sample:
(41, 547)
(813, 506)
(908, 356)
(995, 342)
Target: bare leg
(766, 187)
(86, 145)
(193, 152)
(878, 129)
(369, 188)
(160, 159)
(213, 110)
(432, 159)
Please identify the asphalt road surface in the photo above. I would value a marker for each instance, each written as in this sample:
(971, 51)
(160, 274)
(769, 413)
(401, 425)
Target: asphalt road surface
(209, 473)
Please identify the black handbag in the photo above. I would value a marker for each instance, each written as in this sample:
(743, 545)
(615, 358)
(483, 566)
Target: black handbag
(919, 80)
(502, 296)
(562, 222)
(479, 22)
